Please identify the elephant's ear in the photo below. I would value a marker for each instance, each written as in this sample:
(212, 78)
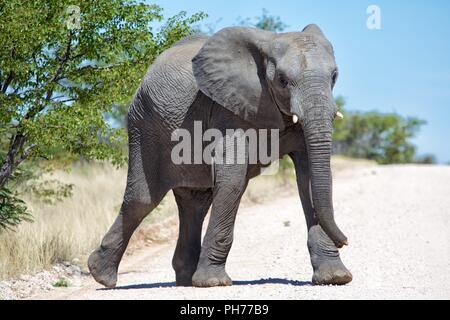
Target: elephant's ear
(313, 29)
(230, 69)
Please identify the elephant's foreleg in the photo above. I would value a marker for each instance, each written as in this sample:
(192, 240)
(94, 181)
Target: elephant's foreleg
(326, 262)
(231, 181)
(192, 208)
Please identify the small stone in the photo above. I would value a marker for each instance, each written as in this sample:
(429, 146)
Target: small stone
(74, 270)
(24, 277)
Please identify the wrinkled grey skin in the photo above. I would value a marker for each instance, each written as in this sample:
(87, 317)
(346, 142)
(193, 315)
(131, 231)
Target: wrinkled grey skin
(237, 78)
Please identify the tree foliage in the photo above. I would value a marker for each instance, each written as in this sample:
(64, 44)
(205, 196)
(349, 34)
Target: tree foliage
(58, 79)
(426, 159)
(385, 138)
(265, 21)
(12, 209)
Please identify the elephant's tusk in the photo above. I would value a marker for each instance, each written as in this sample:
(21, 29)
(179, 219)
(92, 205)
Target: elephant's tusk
(295, 118)
(339, 115)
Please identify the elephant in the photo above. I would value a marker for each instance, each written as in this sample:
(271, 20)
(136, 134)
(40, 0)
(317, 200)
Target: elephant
(238, 78)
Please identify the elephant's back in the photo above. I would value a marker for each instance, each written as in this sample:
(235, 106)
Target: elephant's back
(170, 83)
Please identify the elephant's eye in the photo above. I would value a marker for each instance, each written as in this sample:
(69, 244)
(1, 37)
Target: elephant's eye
(334, 77)
(283, 81)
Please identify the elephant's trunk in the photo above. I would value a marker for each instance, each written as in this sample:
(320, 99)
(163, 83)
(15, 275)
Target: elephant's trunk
(318, 132)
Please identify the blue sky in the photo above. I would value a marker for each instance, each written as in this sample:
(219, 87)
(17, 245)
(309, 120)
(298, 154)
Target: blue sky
(403, 68)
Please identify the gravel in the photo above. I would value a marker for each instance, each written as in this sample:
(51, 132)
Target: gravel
(396, 219)
(28, 285)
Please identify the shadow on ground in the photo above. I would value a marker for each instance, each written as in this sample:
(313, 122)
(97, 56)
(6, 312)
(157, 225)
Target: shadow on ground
(235, 283)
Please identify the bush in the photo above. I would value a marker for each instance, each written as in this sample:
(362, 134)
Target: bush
(385, 138)
(426, 159)
(12, 209)
(61, 283)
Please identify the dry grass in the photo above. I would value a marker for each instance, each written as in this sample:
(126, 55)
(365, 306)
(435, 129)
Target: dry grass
(340, 164)
(73, 228)
(69, 229)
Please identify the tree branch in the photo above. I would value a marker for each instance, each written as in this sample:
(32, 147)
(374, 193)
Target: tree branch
(8, 165)
(25, 154)
(96, 68)
(57, 97)
(112, 66)
(68, 100)
(8, 81)
(58, 72)
(62, 60)
(11, 74)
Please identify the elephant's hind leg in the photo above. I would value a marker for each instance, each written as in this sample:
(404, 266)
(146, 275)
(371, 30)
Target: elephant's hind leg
(192, 208)
(104, 262)
(138, 202)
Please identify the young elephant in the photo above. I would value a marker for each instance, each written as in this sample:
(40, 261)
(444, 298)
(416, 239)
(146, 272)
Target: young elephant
(239, 78)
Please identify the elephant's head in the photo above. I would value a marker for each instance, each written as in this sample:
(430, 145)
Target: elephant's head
(261, 76)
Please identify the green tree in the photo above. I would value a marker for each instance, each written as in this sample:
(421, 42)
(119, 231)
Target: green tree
(265, 21)
(426, 159)
(385, 138)
(62, 68)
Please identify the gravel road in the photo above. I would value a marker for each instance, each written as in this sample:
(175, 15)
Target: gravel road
(396, 219)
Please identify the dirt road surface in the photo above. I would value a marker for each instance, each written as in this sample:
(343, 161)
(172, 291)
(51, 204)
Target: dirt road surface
(397, 219)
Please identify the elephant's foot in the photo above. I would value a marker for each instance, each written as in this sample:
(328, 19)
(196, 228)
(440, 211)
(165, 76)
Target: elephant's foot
(327, 265)
(184, 278)
(184, 266)
(331, 272)
(103, 269)
(211, 277)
